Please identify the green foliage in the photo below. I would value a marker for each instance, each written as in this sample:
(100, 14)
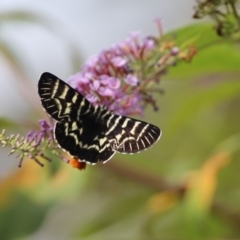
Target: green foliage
(185, 187)
(114, 213)
(32, 213)
(8, 124)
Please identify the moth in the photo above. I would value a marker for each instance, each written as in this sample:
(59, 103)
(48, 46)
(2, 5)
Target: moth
(91, 133)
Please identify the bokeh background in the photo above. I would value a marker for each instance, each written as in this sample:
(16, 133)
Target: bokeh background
(185, 187)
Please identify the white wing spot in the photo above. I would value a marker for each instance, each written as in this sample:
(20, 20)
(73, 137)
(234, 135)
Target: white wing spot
(74, 136)
(143, 143)
(80, 131)
(46, 100)
(147, 140)
(102, 141)
(134, 128)
(137, 146)
(130, 145)
(50, 106)
(55, 112)
(94, 146)
(64, 93)
(75, 97)
(55, 88)
(109, 120)
(74, 126)
(115, 124)
(125, 122)
(151, 136)
(143, 130)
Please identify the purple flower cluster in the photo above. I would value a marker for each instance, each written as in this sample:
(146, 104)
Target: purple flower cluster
(46, 132)
(36, 142)
(110, 79)
(123, 78)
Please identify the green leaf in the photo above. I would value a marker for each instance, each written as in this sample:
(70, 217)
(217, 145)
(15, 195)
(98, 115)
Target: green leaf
(21, 217)
(214, 54)
(23, 16)
(201, 98)
(115, 213)
(200, 35)
(7, 123)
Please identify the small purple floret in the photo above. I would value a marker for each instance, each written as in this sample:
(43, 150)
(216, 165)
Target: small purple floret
(131, 80)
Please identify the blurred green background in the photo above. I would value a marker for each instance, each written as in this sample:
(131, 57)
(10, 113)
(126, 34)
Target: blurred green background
(185, 187)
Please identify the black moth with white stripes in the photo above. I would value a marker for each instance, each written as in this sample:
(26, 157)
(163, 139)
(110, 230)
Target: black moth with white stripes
(91, 133)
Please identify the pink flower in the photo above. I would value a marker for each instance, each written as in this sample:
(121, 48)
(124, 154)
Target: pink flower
(92, 61)
(105, 91)
(118, 61)
(91, 98)
(131, 80)
(148, 44)
(94, 85)
(114, 83)
(105, 78)
(174, 51)
(85, 77)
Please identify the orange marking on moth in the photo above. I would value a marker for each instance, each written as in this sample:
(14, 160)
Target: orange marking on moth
(74, 162)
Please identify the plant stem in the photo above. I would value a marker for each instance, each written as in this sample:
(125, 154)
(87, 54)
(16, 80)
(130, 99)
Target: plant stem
(231, 2)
